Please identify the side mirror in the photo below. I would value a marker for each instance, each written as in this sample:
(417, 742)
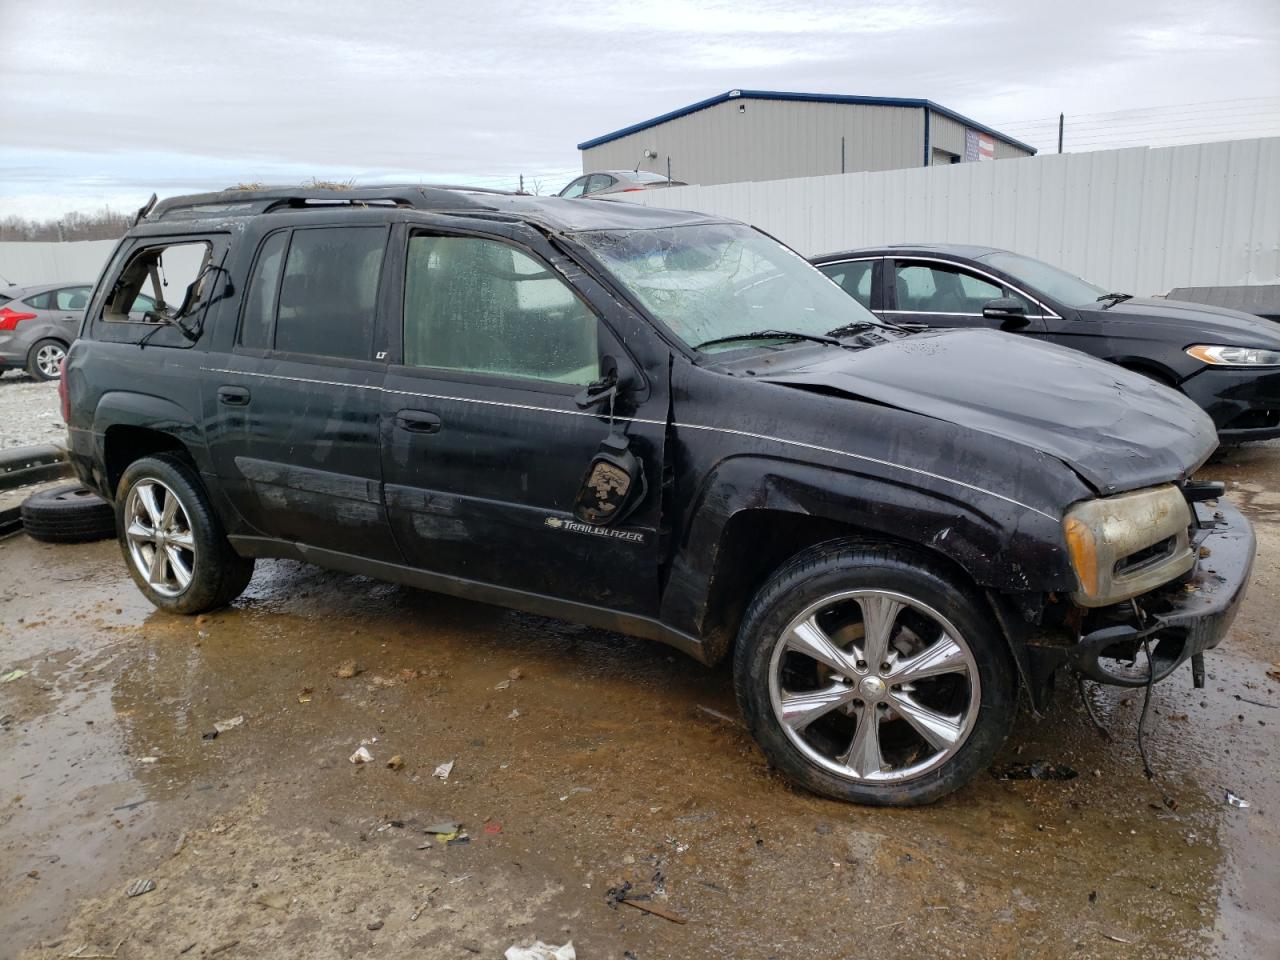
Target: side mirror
(598, 391)
(1011, 313)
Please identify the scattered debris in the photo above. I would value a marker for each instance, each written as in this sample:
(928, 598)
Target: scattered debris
(13, 675)
(304, 695)
(128, 806)
(1112, 936)
(276, 901)
(425, 903)
(222, 726)
(657, 911)
(139, 887)
(443, 770)
(223, 946)
(362, 755)
(1235, 801)
(541, 951)
(81, 955)
(493, 828)
(376, 925)
(348, 669)
(513, 714)
(209, 735)
(181, 842)
(719, 715)
(457, 842)
(396, 763)
(515, 673)
(445, 829)
(1039, 770)
(573, 790)
(148, 759)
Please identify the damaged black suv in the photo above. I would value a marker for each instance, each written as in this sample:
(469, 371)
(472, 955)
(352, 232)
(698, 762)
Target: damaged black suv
(662, 423)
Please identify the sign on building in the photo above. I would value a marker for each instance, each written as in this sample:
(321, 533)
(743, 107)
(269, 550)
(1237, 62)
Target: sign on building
(978, 145)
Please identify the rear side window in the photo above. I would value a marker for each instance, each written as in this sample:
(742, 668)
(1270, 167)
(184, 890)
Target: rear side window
(72, 298)
(161, 283)
(260, 303)
(483, 306)
(853, 278)
(328, 295)
(40, 301)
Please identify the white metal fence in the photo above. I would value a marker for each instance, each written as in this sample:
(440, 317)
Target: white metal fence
(52, 262)
(1140, 220)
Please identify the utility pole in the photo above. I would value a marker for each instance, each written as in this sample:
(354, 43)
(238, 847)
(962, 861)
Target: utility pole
(668, 166)
(522, 183)
(1061, 118)
(842, 154)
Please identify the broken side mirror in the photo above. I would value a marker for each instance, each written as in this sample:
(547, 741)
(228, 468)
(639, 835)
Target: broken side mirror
(1011, 313)
(614, 482)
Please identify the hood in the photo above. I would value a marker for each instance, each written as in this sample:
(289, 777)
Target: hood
(1118, 430)
(1201, 322)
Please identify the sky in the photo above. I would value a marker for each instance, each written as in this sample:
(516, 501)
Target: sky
(103, 103)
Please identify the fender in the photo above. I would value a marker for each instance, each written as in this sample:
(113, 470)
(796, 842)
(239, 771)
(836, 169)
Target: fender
(119, 408)
(1007, 549)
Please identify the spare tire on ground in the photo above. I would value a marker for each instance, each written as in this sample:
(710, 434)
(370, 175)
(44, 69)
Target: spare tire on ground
(69, 513)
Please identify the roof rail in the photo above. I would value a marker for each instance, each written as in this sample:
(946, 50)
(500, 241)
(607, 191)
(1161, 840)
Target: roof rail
(238, 202)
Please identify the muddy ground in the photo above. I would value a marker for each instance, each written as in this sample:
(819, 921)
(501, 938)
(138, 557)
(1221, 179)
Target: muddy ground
(606, 761)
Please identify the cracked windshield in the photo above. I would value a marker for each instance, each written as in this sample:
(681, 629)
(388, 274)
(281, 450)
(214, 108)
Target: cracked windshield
(713, 281)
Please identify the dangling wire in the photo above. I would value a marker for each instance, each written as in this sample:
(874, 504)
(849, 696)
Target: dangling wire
(1088, 708)
(1146, 704)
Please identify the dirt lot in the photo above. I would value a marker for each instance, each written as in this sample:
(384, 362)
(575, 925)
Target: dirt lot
(606, 761)
(31, 411)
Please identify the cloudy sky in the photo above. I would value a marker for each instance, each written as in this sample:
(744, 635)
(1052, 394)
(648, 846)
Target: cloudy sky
(101, 103)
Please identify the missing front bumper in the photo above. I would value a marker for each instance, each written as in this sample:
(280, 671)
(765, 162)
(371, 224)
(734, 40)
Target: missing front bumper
(1177, 621)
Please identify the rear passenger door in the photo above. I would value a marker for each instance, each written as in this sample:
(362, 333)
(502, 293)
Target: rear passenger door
(293, 407)
(937, 293)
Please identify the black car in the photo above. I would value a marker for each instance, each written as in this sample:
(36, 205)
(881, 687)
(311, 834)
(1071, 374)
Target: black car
(1226, 361)
(660, 423)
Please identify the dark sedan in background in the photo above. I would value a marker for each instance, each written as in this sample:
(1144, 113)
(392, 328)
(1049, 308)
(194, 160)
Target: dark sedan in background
(1226, 361)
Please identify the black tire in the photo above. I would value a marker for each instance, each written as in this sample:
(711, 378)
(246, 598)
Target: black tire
(68, 513)
(217, 573)
(847, 565)
(37, 354)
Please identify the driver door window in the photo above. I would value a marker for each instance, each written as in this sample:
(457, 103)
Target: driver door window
(481, 306)
(946, 296)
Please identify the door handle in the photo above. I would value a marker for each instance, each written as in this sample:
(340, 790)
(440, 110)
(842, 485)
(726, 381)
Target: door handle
(418, 421)
(233, 396)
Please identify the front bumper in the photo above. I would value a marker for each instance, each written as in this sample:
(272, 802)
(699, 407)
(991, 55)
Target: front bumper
(1178, 620)
(1244, 403)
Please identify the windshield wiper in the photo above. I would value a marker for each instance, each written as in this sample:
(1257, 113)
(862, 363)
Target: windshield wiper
(1114, 298)
(770, 335)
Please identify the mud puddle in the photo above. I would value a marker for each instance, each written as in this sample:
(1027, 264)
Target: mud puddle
(594, 767)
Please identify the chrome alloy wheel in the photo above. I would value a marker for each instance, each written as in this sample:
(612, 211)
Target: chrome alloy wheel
(158, 531)
(874, 686)
(48, 359)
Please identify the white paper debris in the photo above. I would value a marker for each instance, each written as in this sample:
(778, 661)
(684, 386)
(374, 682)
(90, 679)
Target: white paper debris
(541, 951)
(362, 755)
(222, 726)
(443, 770)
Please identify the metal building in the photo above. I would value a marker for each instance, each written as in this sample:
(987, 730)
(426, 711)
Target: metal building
(748, 135)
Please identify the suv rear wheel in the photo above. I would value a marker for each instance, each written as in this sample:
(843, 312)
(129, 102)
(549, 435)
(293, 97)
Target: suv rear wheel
(866, 675)
(173, 544)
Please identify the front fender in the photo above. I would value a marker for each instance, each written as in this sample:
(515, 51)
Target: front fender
(1001, 546)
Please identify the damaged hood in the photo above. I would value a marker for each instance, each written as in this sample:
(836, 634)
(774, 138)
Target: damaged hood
(1118, 430)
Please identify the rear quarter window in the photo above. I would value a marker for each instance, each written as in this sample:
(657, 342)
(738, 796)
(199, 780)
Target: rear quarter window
(162, 292)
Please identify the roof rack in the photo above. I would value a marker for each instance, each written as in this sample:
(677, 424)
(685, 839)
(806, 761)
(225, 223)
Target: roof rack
(240, 202)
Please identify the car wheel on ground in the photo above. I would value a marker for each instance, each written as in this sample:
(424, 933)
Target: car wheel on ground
(867, 675)
(44, 362)
(69, 513)
(173, 544)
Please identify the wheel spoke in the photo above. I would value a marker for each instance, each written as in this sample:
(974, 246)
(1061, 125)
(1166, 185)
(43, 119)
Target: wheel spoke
(167, 513)
(181, 571)
(879, 614)
(940, 730)
(863, 756)
(943, 656)
(184, 540)
(801, 709)
(147, 497)
(156, 573)
(137, 530)
(811, 640)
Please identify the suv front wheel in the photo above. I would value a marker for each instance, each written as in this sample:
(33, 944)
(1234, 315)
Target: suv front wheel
(866, 675)
(172, 542)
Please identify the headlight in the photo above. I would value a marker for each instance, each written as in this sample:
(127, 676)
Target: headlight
(1125, 545)
(1235, 356)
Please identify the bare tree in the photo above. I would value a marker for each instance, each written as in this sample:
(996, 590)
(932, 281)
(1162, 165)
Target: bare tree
(106, 224)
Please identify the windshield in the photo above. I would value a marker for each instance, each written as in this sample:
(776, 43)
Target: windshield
(711, 281)
(1043, 278)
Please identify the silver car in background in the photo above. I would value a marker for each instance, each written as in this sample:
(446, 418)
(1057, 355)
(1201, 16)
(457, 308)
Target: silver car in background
(616, 181)
(38, 323)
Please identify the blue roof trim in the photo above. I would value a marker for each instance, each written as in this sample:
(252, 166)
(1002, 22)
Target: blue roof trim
(805, 98)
